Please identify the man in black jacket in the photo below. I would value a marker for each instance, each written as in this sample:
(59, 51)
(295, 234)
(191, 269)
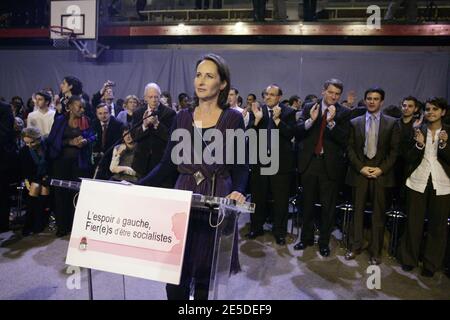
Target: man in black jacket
(272, 116)
(408, 121)
(7, 159)
(322, 131)
(152, 136)
(109, 132)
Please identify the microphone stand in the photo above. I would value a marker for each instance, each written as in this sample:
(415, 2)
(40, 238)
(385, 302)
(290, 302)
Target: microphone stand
(97, 168)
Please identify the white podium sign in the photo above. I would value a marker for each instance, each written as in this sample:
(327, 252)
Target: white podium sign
(131, 230)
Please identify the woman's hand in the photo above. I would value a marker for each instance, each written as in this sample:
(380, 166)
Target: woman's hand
(83, 142)
(419, 137)
(78, 142)
(443, 136)
(121, 149)
(235, 195)
(129, 171)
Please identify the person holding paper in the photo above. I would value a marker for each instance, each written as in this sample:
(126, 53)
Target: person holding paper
(210, 111)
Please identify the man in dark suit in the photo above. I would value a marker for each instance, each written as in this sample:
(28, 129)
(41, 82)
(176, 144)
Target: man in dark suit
(106, 95)
(372, 151)
(270, 117)
(109, 132)
(7, 160)
(322, 132)
(410, 119)
(152, 136)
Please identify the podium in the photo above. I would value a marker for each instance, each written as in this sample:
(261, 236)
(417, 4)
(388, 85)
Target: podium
(223, 215)
(227, 213)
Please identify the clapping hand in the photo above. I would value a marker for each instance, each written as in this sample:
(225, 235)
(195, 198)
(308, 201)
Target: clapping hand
(257, 112)
(419, 137)
(351, 98)
(443, 137)
(244, 112)
(418, 122)
(331, 113)
(276, 112)
(314, 112)
(152, 120)
(107, 84)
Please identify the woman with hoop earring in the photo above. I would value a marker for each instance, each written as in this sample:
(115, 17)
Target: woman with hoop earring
(210, 111)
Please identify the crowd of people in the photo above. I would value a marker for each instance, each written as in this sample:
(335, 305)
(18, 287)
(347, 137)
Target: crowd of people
(333, 148)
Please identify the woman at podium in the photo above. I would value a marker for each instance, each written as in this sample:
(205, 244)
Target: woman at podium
(210, 111)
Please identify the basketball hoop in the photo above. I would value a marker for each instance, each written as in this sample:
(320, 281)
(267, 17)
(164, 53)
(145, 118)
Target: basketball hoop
(74, 24)
(62, 36)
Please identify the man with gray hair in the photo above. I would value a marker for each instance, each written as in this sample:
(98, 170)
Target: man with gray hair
(152, 132)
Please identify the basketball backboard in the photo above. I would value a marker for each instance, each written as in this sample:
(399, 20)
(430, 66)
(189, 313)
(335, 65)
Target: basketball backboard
(80, 16)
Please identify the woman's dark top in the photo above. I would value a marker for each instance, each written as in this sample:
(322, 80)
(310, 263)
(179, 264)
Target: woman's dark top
(68, 151)
(229, 177)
